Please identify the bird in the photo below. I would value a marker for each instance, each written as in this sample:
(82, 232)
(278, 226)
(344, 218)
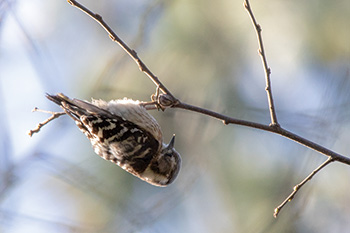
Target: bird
(123, 132)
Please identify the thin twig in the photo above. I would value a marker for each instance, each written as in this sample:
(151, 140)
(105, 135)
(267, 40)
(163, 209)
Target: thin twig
(132, 53)
(300, 185)
(267, 69)
(41, 124)
(145, 21)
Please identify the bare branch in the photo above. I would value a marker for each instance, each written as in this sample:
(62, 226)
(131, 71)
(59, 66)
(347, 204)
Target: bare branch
(132, 53)
(277, 130)
(176, 103)
(267, 69)
(300, 185)
(168, 100)
(41, 124)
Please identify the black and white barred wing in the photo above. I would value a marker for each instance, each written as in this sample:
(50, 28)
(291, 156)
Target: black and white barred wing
(121, 142)
(134, 112)
(112, 137)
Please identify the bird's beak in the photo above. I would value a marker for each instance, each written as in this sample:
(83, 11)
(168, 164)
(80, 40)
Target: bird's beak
(171, 143)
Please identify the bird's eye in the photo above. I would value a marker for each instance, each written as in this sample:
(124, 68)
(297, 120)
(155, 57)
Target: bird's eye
(168, 154)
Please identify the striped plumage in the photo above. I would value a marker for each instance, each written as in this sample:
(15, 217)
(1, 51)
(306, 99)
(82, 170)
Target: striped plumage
(123, 132)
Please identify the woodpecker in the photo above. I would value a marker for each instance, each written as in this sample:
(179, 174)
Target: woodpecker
(123, 132)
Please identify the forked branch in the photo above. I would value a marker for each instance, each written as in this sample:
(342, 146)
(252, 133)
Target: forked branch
(53, 116)
(274, 126)
(168, 100)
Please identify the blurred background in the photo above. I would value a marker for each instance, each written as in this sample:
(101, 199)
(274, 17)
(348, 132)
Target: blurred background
(205, 52)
